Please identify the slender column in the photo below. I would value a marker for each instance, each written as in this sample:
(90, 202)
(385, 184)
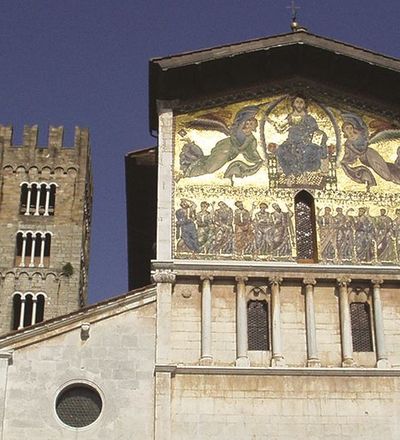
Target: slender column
(345, 323)
(47, 203)
(28, 201)
(23, 251)
(38, 190)
(34, 306)
(42, 246)
(381, 355)
(277, 357)
(22, 313)
(206, 301)
(242, 359)
(312, 351)
(32, 262)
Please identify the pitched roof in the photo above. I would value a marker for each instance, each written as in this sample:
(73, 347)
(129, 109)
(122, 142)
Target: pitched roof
(189, 76)
(92, 313)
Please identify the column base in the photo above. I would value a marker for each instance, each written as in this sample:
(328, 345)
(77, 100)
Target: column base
(348, 362)
(278, 361)
(206, 360)
(242, 362)
(313, 363)
(383, 363)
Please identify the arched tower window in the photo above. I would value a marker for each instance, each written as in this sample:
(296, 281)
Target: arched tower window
(257, 325)
(28, 309)
(38, 198)
(305, 228)
(33, 249)
(361, 329)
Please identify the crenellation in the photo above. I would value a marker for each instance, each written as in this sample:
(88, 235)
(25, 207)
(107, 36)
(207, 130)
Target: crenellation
(56, 135)
(30, 136)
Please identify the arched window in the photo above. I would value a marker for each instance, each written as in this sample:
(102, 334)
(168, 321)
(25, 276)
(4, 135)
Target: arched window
(361, 329)
(28, 309)
(33, 249)
(306, 243)
(38, 198)
(257, 325)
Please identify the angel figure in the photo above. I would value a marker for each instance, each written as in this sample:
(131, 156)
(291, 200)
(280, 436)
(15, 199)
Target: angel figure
(357, 146)
(239, 140)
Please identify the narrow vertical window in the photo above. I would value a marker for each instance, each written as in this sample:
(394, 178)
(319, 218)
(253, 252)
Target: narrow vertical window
(361, 329)
(52, 199)
(23, 198)
(42, 198)
(257, 325)
(27, 319)
(39, 308)
(16, 311)
(34, 199)
(305, 228)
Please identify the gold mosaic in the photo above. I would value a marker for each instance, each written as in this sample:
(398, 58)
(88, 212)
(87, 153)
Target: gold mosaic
(238, 168)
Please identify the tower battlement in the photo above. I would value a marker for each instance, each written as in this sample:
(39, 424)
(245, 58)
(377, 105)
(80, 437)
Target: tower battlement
(55, 137)
(29, 151)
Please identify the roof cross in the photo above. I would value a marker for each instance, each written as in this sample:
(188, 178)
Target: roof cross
(293, 9)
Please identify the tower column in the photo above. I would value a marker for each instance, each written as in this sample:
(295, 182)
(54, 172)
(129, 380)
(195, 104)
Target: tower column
(277, 357)
(242, 359)
(42, 246)
(34, 306)
(23, 251)
(206, 310)
(312, 351)
(47, 203)
(32, 262)
(28, 200)
(22, 313)
(345, 323)
(381, 355)
(38, 190)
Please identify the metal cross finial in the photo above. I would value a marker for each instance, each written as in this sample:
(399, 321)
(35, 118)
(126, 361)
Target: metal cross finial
(293, 9)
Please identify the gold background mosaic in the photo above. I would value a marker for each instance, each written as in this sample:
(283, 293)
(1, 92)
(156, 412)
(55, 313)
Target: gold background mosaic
(238, 168)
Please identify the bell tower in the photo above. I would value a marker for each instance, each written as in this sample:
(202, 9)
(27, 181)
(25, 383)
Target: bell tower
(45, 212)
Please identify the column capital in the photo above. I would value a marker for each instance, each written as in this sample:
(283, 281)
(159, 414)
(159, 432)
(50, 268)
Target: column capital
(164, 276)
(343, 281)
(275, 280)
(376, 282)
(206, 277)
(309, 281)
(241, 280)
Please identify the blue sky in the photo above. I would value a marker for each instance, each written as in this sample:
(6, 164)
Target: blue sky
(84, 62)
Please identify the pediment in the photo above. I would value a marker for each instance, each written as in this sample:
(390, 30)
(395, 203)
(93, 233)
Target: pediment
(220, 71)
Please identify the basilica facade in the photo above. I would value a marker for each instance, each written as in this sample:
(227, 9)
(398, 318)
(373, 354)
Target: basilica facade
(272, 222)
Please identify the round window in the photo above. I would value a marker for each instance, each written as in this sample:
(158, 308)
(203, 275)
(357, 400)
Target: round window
(78, 405)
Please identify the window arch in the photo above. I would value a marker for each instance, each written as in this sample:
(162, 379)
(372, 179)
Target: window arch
(306, 242)
(28, 309)
(33, 249)
(37, 198)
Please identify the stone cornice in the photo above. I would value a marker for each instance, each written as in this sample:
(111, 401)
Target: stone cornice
(218, 268)
(274, 371)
